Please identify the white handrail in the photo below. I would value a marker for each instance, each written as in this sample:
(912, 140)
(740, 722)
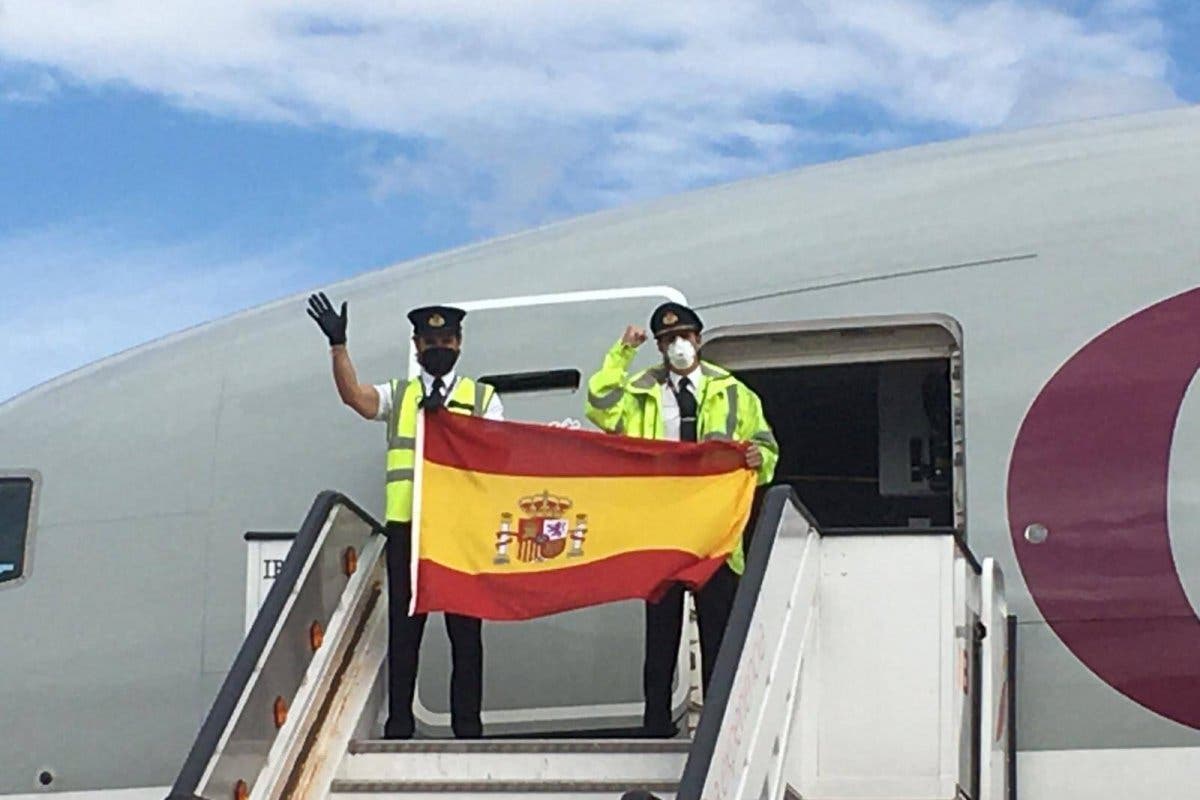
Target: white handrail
(758, 730)
(288, 755)
(993, 711)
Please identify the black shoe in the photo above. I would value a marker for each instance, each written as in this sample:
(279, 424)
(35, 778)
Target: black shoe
(398, 731)
(660, 731)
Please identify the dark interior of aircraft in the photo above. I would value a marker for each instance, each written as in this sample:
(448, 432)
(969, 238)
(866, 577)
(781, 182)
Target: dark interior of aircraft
(854, 463)
(15, 498)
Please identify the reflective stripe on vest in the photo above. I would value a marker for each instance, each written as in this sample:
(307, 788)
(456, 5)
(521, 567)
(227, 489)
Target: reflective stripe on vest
(466, 397)
(731, 417)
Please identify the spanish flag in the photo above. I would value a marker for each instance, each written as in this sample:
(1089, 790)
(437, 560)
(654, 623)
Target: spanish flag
(514, 521)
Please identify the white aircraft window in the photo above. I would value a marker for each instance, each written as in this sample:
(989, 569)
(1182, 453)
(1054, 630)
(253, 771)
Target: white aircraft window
(16, 503)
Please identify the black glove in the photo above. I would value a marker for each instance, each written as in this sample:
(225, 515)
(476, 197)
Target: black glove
(332, 323)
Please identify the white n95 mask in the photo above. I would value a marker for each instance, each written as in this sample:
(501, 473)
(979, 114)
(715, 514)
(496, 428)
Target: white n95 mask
(681, 353)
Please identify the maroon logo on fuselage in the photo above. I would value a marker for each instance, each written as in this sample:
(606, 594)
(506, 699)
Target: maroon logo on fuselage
(1090, 464)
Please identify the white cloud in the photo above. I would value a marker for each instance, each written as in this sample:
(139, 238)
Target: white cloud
(72, 296)
(523, 110)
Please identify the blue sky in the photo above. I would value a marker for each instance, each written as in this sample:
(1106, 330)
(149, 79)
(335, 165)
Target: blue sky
(157, 171)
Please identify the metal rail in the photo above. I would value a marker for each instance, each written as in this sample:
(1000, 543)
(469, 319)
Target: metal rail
(236, 739)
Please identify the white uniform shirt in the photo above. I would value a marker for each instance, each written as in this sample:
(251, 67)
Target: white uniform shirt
(494, 411)
(670, 406)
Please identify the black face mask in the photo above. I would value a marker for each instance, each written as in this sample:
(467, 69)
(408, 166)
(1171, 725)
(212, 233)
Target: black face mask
(437, 361)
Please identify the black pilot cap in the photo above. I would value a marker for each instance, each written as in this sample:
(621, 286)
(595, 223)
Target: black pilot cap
(436, 319)
(673, 318)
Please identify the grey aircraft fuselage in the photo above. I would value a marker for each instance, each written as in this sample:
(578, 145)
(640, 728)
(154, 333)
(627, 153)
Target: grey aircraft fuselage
(153, 463)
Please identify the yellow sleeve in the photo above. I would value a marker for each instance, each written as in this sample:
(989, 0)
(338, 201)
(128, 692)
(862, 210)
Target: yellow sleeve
(756, 429)
(606, 397)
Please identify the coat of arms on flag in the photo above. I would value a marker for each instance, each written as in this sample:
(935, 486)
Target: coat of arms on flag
(542, 534)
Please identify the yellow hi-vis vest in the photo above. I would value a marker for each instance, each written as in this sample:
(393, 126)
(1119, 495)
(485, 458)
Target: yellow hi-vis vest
(466, 397)
(632, 405)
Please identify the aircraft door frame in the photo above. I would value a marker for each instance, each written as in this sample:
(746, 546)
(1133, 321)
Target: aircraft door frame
(558, 298)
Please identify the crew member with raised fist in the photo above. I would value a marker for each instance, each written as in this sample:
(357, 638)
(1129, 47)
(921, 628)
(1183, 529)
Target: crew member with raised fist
(680, 399)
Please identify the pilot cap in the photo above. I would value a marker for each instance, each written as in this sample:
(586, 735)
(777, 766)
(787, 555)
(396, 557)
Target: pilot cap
(674, 318)
(436, 319)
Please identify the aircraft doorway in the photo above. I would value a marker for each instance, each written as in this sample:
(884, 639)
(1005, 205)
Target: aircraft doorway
(867, 413)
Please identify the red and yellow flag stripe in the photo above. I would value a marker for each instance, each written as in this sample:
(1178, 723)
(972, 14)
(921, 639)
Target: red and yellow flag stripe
(519, 521)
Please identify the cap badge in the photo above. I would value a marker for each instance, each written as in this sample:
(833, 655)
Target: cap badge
(436, 321)
(670, 318)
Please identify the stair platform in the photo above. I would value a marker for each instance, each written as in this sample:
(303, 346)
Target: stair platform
(578, 768)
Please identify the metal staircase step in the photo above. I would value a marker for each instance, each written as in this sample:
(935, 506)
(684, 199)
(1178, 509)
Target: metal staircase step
(607, 789)
(543, 762)
(520, 746)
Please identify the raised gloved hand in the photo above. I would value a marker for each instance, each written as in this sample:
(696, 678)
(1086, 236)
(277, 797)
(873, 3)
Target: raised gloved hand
(332, 323)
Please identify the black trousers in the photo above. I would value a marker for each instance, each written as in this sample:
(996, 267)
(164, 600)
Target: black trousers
(664, 627)
(404, 645)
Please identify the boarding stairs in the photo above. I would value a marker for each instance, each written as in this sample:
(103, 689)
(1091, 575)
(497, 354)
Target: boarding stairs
(858, 665)
(576, 769)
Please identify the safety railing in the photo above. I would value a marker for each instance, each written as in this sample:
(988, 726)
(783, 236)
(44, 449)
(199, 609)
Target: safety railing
(785, 715)
(746, 726)
(995, 729)
(329, 588)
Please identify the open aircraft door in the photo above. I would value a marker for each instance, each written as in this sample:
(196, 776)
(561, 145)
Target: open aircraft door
(868, 411)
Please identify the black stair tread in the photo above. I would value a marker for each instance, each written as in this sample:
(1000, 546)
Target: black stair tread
(599, 746)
